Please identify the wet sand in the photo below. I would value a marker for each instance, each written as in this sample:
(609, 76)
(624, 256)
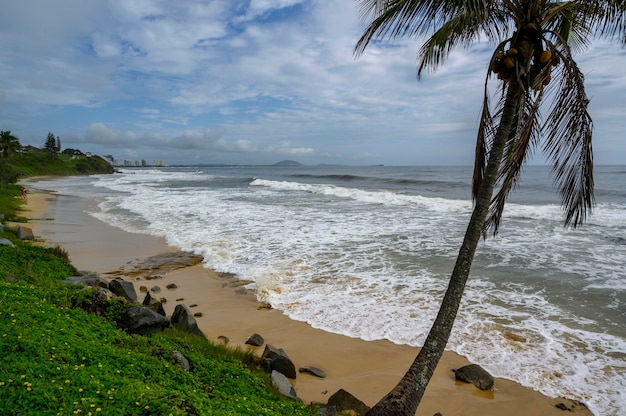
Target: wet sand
(367, 369)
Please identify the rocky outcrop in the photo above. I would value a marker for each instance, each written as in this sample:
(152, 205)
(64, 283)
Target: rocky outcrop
(183, 319)
(155, 266)
(318, 372)
(255, 340)
(153, 304)
(87, 280)
(123, 288)
(475, 374)
(344, 401)
(276, 359)
(142, 321)
(5, 242)
(25, 233)
(282, 384)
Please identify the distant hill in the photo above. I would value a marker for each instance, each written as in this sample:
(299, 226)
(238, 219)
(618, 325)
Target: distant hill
(287, 163)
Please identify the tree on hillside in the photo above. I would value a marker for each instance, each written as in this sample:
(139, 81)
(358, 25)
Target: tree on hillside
(52, 144)
(9, 144)
(533, 63)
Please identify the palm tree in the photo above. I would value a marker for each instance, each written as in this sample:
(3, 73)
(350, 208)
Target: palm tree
(8, 143)
(533, 62)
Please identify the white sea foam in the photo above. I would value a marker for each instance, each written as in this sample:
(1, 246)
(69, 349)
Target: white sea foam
(374, 264)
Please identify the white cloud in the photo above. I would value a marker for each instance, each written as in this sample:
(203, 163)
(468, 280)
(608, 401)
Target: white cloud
(264, 76)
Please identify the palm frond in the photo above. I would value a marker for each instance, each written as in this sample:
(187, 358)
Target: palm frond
(465, 27)
(568, 142)
(397, 18)
(605, 18)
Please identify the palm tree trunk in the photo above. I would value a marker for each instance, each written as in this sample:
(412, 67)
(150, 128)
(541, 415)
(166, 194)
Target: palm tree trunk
(407, 394)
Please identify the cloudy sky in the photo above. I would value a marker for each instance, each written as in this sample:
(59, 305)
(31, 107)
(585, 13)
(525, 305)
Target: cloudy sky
(252, 82)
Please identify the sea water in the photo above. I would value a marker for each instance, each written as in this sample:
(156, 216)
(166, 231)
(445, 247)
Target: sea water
(367, 252)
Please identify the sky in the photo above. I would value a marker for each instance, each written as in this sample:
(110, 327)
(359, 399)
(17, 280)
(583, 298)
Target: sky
(253, 82)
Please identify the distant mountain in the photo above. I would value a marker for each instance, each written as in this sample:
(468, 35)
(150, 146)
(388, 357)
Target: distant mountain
(287, 163)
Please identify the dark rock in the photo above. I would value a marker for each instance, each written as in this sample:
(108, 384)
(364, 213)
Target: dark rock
(198, 314)
(276, 359)
(183, 319)
(87, 280)
(224, 339)
(282, 384)
(142, 321)
(180, 299)
(476, 375)
(6, 242)
(255, 340)
(143, 289)
(328, 411)
(155, 289)
(25, 233)
(153, 304)
(193, 305)
(437, 414)
(183, 362)
(343, 401)
(123, 288)
(313, 370)
(171, 286)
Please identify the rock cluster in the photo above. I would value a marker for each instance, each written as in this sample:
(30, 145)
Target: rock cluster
(149, 317)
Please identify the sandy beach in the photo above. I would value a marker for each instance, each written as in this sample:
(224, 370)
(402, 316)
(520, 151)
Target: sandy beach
(367, 369)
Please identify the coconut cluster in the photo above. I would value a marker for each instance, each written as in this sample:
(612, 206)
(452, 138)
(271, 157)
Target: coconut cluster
(505, 62)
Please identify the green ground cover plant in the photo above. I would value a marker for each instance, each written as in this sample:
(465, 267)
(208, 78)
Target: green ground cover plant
(58, 359)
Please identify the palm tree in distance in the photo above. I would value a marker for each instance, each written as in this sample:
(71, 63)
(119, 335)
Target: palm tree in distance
(533, 63)
(9, 144)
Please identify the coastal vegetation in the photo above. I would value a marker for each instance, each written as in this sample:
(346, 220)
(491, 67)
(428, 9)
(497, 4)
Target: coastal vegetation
(17, 161)
(59, 359)
(534, 68)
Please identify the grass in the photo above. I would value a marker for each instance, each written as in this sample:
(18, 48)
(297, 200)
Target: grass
(57, 359)
(39, 162)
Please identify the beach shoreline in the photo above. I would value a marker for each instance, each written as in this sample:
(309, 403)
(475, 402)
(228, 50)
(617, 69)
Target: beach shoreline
(367, 369)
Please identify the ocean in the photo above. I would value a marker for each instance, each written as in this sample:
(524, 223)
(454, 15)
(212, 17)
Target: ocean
(367, 252)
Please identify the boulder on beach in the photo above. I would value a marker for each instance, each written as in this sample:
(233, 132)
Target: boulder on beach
(87, 280)
(282, 384)
(142, 321)
(154, 304)
(123, 288)
(25, 233)
(475, 374)
(318, 372)
(344, 401)
(276, 359)
(255, 340)
(183, 319)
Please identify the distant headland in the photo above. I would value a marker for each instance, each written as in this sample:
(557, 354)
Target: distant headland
(287, 163)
